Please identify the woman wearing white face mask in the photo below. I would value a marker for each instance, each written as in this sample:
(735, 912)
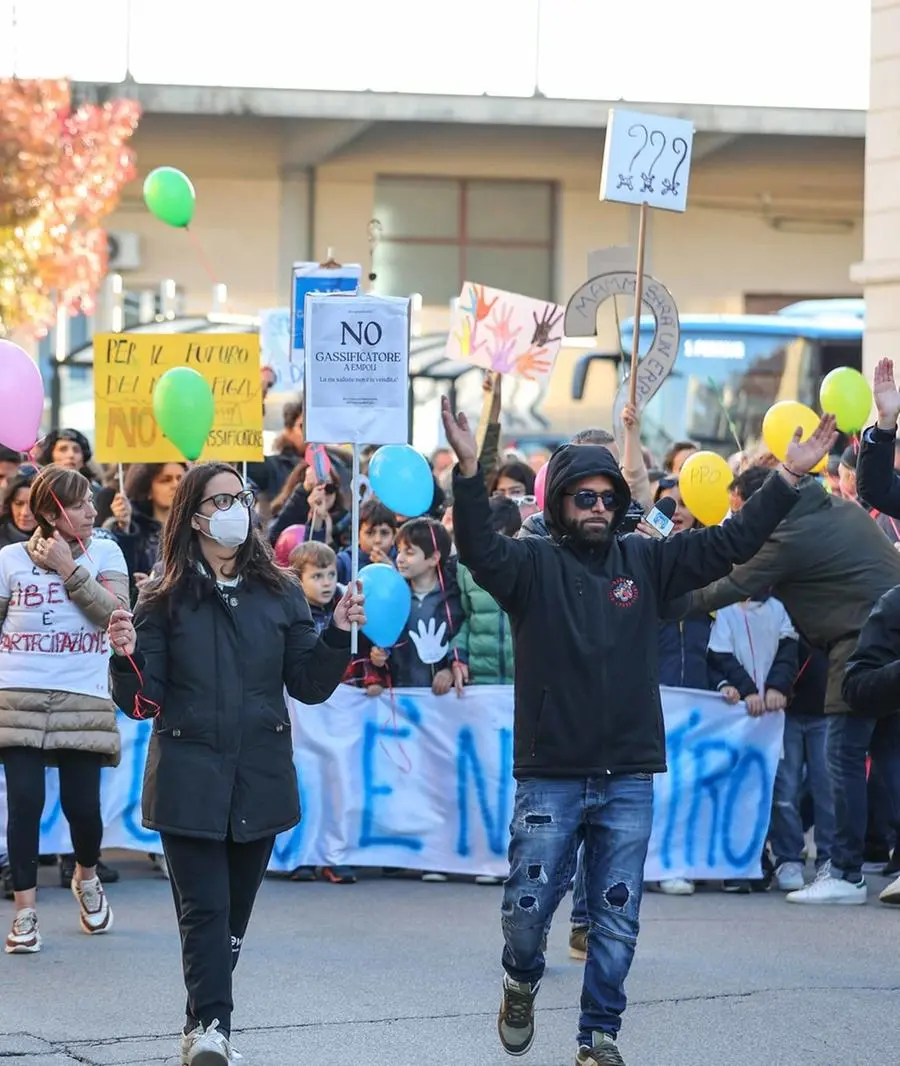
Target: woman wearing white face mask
(216, 638)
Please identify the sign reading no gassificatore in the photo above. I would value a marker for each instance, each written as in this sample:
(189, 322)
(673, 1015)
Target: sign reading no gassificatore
(356, 365)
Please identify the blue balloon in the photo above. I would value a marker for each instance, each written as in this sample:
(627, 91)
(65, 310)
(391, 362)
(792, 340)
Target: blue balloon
(401, 478)
(388, 601)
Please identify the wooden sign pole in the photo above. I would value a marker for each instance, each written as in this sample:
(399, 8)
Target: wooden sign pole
(638, 300)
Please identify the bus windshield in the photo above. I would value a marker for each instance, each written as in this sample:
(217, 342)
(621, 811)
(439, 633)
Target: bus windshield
(725, 379)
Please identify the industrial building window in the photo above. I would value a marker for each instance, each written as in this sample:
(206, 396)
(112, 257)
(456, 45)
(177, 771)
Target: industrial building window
(439, 232)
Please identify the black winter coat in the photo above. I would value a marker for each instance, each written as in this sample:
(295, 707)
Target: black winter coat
(217, 663)
(872, 679)
(585, 619)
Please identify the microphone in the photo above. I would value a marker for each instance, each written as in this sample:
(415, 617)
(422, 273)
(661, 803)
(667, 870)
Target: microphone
(660, 518)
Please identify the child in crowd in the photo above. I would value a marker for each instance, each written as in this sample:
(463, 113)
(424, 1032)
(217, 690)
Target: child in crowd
(316, 566)
(377, 530)
(753, 656)
(422, 656)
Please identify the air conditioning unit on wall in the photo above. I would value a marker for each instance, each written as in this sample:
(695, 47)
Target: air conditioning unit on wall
(124, 250)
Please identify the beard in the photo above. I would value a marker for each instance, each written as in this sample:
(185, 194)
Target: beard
(594, 534)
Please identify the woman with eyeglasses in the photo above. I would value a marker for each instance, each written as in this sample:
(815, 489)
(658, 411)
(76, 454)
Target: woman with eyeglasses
(214, 642)
(317, 505)
(17, 523)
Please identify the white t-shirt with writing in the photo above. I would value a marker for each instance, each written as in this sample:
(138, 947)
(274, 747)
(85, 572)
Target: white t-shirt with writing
(46, 642)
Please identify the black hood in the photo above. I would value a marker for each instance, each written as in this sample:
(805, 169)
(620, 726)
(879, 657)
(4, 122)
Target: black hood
(572, 462)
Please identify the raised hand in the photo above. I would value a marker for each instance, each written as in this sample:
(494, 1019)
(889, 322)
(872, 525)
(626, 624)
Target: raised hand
(803, 456)
(460, 438)
(886, 394)
(631, 419)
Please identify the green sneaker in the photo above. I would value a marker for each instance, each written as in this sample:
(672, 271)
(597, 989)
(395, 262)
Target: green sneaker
(603, 1053)
(515, 1023)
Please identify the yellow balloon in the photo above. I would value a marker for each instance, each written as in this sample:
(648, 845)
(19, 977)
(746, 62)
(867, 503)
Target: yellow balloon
(704, 481)
(780, 424)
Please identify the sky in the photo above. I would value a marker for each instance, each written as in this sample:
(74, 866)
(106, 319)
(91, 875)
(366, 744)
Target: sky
(771, 53)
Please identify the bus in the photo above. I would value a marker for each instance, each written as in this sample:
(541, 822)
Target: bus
(730, 369)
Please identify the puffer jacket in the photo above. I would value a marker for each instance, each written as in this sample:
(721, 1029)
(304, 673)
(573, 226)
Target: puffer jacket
(55, 720)
(484, 641)
(682, 652)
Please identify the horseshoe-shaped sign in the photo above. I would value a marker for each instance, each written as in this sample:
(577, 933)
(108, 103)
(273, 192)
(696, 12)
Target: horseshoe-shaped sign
(656, 365)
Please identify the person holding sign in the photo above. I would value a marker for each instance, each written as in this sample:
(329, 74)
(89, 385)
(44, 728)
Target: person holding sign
(584, 606)
(215, 641)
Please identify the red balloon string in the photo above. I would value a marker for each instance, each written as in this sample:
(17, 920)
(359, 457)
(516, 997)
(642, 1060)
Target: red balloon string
(144, 707)
(201, 255)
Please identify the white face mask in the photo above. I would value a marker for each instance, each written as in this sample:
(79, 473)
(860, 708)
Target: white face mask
(228, 528)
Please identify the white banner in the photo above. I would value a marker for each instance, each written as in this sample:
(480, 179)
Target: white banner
(426, 783)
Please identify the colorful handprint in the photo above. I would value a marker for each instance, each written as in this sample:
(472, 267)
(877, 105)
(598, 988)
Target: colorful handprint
(479, 308)
(543, 328)
(531, 365)
(465, 338)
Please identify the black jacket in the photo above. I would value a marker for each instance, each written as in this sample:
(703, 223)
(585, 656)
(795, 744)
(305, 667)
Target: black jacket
(877, 484)
(585, 618)
(221, 759)
(872, 679)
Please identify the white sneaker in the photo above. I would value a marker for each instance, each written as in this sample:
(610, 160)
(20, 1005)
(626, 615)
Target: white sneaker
(829, 889)
(24, 938)
(789, 877)
(96, 913)
(892, 893)
(677, 886)
(207, 1047)
(488, 879)
(435, 878)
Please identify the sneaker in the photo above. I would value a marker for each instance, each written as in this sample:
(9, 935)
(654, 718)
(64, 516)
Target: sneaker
(677, 886)
(96, 913)
(603, 1053)
(737, 886)
(107, 874)
(488, 879)
(515, 1023)
(339, 875)
(892, 893)
(789, 877)
(892, 868)
(24, 938)
(578, 938)
(435, 878)
(207, 1047)
(829, 889)
(304, 873)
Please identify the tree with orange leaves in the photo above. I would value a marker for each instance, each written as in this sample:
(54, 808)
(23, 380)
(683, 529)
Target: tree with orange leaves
(61, 172)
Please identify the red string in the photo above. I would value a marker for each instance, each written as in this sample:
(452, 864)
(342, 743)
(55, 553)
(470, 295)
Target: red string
(140, 701)
(201, 255)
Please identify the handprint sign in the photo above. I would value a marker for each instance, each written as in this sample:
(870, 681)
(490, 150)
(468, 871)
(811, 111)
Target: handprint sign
(429, 641)
(505, 332)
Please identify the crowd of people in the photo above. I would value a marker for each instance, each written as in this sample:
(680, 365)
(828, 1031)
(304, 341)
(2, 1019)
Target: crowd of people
(773, 608)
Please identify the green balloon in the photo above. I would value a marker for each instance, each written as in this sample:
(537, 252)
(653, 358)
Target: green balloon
(170, 196)
(845, 393)
(184, 408)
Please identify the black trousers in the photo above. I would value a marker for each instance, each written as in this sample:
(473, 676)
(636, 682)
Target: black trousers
(79, 797)
(214, 884)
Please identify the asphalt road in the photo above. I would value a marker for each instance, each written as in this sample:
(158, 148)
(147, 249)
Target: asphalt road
(392, 973)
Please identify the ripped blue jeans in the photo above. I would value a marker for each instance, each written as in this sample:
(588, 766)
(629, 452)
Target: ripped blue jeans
(612, 815)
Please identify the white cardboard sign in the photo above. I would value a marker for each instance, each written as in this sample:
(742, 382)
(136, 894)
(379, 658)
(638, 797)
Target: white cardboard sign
(646, 160)
(356, 363)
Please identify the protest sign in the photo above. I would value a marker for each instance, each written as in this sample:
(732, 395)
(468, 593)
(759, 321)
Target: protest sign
(316, 278)
(505, 332)
(275, 349)
(646, 162)
(428, 784)
(127, 367)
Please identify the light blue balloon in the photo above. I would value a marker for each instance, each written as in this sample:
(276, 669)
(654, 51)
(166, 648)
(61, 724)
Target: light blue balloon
(401, 478)
(388, 601)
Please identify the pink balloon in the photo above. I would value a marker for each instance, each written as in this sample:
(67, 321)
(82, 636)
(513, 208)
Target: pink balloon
(21, 398)
(539, 485)
(288, 539)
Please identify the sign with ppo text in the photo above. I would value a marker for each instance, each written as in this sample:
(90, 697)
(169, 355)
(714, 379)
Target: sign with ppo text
(127, 367)
(646, 160)
(356, 359)
(314, 277)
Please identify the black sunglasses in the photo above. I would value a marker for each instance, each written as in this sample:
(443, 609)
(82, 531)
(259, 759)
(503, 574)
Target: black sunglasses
(668, 482)
(223, 500)
(586, 499)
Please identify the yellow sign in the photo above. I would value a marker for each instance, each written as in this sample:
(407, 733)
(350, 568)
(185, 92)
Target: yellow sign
(127, 367)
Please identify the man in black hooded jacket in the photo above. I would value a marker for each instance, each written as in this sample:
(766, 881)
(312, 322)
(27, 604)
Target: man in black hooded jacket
(588, 729)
